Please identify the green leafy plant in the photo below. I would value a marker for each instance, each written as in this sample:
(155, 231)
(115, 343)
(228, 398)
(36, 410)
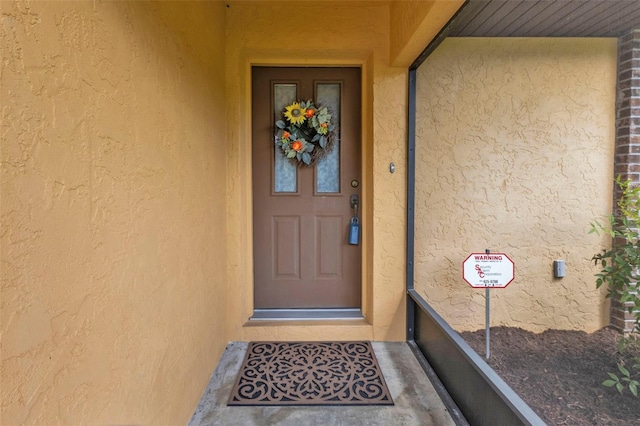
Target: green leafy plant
(620, 274)
(629, 377)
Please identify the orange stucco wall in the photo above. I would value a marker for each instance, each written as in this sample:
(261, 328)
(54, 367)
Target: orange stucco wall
(126, 197)
(515, 144)
(126, 240)
(414, 23)
(113, 189)
(351, 33)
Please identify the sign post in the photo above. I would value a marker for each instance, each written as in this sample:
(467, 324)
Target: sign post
(488, 270)
(487, 322)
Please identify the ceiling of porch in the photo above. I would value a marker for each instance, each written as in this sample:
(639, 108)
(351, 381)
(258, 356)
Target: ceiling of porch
(546, 18)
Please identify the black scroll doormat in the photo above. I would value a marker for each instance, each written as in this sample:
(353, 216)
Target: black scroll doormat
(310, 373)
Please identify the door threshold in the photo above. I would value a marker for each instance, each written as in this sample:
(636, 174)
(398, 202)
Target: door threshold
(306, 314)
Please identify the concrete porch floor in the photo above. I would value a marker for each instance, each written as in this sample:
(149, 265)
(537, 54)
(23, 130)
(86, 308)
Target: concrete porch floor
(416, 401)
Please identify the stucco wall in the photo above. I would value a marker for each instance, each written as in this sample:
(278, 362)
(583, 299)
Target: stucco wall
(514, 152)
(352, 33)
(113, 210)
(414, 23)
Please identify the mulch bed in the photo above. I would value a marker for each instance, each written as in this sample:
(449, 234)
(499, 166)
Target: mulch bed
(559, 373)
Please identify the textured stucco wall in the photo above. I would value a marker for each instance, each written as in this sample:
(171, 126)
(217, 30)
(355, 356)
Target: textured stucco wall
(352, 33)
(414, 23)
(113, 210)
(515, 146)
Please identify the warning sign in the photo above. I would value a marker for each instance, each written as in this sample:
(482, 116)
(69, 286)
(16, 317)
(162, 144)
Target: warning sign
(488, 270)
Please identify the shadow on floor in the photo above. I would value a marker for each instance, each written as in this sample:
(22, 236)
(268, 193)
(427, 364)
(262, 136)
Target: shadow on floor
(416, 401)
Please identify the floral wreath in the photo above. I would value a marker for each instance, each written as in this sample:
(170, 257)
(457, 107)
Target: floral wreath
(306, 132)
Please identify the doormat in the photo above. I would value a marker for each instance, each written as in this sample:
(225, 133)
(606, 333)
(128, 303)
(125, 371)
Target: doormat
(310, 373)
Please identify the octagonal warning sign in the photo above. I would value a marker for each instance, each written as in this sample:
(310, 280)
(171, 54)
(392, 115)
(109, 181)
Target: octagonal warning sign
(488, 270)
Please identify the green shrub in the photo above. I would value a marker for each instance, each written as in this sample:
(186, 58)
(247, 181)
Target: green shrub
(620, 273)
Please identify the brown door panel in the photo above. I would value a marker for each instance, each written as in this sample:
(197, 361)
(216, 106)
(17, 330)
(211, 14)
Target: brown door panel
(302, 258)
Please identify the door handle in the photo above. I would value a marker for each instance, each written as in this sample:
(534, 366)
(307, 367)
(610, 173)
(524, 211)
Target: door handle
(354, 200)
(354, 224)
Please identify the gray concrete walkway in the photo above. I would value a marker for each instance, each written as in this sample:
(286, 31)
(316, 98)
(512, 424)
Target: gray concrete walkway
(416, 401)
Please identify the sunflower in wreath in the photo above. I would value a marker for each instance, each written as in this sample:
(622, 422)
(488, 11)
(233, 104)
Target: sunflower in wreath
(305, 133)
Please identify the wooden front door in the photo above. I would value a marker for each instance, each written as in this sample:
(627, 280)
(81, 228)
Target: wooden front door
(301, 214)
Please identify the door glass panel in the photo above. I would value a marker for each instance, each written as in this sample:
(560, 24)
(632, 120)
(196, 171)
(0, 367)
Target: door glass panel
(328, 167)
(284, 171)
